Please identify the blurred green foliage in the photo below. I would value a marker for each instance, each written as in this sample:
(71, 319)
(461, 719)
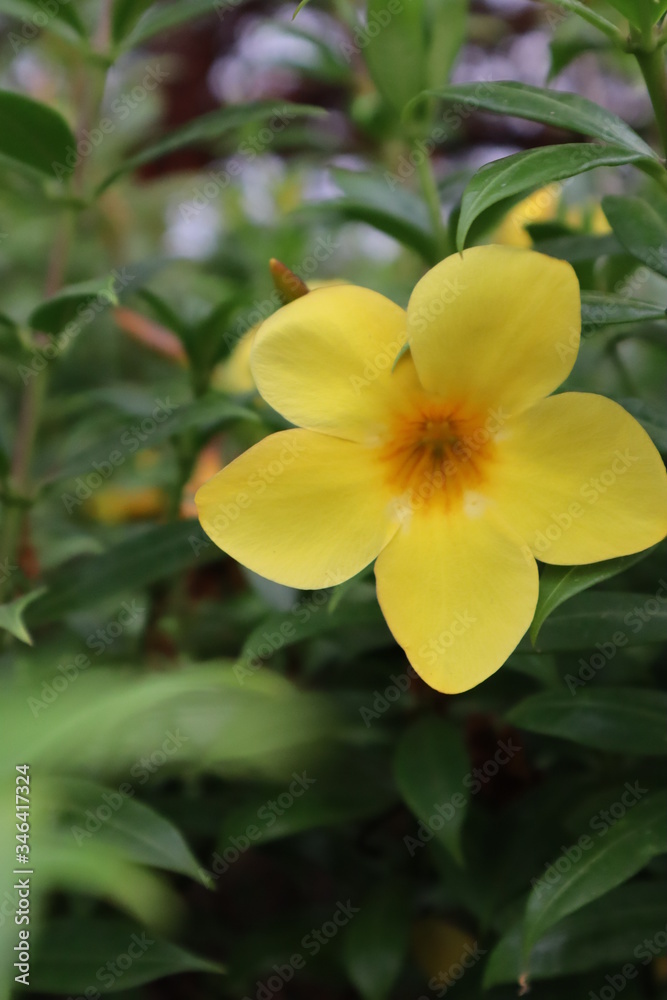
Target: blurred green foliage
(235, 789)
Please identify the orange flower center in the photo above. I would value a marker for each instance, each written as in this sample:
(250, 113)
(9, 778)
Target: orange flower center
(438, 452)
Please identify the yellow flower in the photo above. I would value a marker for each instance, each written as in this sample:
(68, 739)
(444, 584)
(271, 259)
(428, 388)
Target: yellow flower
(454, 469)
(234, 375)
(545, 206)
(540, 206)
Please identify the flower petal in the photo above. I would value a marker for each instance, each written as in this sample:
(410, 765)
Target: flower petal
(325, 361)
(495, 326)
(303, 509)
(458, 593)
(581, 481)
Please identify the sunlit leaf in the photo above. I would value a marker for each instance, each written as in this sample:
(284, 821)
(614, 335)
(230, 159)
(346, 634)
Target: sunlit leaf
(527, 171)
(11, 615)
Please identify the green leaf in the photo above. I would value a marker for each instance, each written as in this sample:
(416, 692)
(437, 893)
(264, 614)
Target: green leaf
(33, 134)
(308, 618)
(602, 309)
(376, 941)
(592, 17)
(620, 851)
(125, 15)
(212, 127)
(581, 247)
(205, 415)
(70, 954)
(552, 107)
(430, 767)
(597, 617)
(385, 203)
(639, 228)
(445, 32)
(394, 46)
(136, 830)
(157, 553)
(11, 615)
(610, 926)
(62, 14)
(527, 171)
(643, 14)
(163, 17)
(73, 304)
(559, 583)
(620, 720)
(353, 787)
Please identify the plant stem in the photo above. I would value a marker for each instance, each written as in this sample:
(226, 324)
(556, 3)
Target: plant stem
(432, 198)
(652, 65)
(30, 407)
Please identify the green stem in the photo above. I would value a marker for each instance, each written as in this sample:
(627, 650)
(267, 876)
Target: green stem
(432, 199)
(599, 22)
(652, 65)
(30, 407)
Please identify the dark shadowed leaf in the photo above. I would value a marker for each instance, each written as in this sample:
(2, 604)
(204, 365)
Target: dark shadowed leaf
(607, 930)
(620, 720)
(430, 767)
(376, 940)
(615, 856)
(70, 953)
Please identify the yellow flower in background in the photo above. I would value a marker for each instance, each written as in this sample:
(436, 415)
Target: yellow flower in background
(453, 469)
(545, 205)
(234, 374)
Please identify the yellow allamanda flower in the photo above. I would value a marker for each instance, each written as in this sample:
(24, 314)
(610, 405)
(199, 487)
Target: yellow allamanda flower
(453, 469)
(545, 205)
